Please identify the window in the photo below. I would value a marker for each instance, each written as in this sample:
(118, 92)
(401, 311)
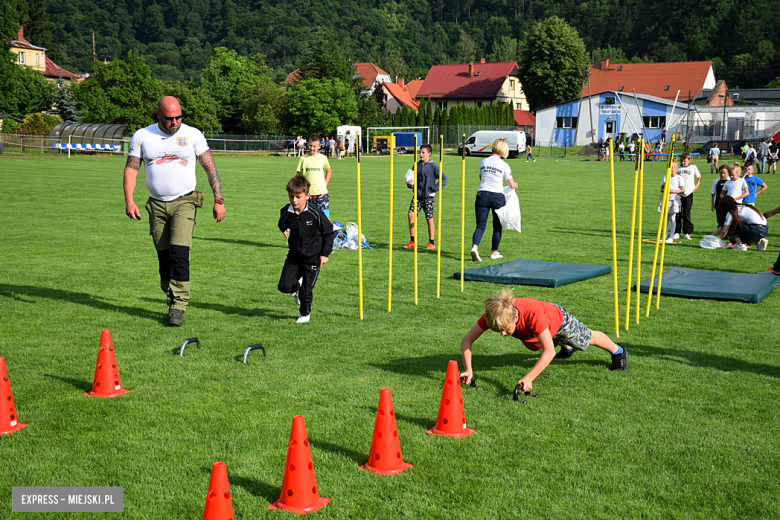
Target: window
(565, 122)
(471, 140)
(21, 58)
(477, 73)
(620, 68)
(620, 89)
(442, 106)
(666, 88)
(654, 121)
(479, 104)
(37, 60)
(609, 100)
(511, 84)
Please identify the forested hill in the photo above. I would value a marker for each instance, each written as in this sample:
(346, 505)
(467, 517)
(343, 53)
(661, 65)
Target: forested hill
(176, 37)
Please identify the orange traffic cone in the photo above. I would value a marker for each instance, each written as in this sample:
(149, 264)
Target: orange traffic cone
(8, 421)
(385, 455)
(451, 420)
(106, 382)
(299, 486)
(219, 505)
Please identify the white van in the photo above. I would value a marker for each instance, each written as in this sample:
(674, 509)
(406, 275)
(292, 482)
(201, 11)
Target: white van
(481, 143)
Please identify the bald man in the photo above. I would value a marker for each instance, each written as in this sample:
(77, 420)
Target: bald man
(168, 150)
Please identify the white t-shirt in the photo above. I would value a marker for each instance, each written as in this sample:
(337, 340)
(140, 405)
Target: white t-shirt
(169, 160)
(675, 183)
(631, 147)
(493, 171)
(688, 175)
(747, 216)
(735, 188)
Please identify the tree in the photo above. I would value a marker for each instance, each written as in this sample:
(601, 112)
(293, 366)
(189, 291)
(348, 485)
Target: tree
(262, 108)
(121, 92)
(198, 108)
(66, 106)
(22, 89)
(552, 61)
(323, 59)
(504, 49)
(320, 105)
(39, 123)
(226, 77)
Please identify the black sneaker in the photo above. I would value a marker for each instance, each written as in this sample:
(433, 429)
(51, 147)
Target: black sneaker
(176, 318)
(564, 354)
(620, 361)
(168, 316)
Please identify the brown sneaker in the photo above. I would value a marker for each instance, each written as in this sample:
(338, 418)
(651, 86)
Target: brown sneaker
(176, 318)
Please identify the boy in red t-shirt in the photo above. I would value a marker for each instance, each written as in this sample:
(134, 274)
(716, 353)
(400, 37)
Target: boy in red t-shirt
(540, 326)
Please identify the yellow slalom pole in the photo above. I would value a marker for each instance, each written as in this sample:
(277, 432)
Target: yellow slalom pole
(360, 227)
(390, 240)
(438, 237)
(658, 241)
(414, 210)
(614, 238)
(666, 221)
(462, 208)
(631, 244)
(641, 157)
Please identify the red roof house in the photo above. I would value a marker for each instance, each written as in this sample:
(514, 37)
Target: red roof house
(662, 80)
(35, 57)
(473, 84)
(397, 95)
(370, 74)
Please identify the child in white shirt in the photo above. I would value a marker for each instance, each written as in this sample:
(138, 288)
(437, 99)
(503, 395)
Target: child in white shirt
(675, 188)
(735, 187)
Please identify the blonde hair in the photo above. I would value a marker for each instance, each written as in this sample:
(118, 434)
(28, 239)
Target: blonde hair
(501, 148)
(500, 311)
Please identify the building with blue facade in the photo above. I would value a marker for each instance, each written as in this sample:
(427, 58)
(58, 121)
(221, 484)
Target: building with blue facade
(608, 115)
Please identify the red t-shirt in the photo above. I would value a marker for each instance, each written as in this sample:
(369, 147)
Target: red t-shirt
(534, 317)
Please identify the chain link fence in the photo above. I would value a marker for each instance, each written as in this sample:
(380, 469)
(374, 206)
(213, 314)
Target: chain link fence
(250, 143)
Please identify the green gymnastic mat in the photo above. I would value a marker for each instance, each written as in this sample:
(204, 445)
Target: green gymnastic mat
(714, 285)
(534, 272)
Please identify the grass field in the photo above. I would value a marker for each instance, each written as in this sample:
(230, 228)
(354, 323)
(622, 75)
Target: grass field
(690, 431)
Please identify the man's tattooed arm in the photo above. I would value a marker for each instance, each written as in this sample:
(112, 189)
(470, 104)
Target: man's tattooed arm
(207, 161)
(134, 163)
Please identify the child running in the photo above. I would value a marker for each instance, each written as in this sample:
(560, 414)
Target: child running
(675, 188)
(428, 184)
(540, 326)
(310, 237)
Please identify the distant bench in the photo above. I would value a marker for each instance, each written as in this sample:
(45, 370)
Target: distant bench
(67, 146)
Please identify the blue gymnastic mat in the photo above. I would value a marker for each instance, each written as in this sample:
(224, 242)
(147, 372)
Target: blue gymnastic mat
(534, 272)
(714, 285)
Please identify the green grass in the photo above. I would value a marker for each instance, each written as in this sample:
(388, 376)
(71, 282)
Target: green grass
(690, 431)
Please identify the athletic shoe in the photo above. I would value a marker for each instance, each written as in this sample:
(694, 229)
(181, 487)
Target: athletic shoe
(176, 318)
(676, 236)
(297, 298)
(761, 246)
(670, 241)
(495, 255)
(739, 247)
(564, 354)
(620, 361)
(303, 319)
(430, 246)
(475, 255)
(687, 236)
(410, 245)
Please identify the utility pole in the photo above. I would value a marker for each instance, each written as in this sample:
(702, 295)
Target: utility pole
(93, 46)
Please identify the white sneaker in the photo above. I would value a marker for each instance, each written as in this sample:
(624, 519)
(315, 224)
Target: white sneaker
(303, 319)
(297, 298)
(761, 246)
(670, 241)
(495, 255)
(739, 247)
(687, 236)
(475, 255)
(676, 236)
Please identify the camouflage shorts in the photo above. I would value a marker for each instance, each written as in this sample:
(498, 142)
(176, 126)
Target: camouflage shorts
(424, 205)
(572, 333)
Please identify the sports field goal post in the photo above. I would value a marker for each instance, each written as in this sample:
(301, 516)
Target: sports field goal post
(552, 149)
(391, 129)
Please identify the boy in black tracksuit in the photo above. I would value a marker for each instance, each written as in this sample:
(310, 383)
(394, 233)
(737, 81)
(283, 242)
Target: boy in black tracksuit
(310, 237)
